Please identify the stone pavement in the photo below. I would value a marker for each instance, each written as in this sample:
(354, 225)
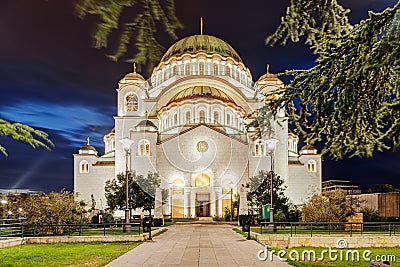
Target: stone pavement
(196, 245)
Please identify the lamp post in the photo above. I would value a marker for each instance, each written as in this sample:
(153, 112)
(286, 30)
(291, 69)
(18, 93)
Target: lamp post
(126, 143)
(231, 186)
(271, 146)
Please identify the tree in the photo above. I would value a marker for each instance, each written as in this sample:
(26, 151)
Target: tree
(25, 133)
(382, 188)
(259, 192)
(333, 207)
(139, 29)
(142, 191)
(351, 99)
(371, 215)
(43, 209)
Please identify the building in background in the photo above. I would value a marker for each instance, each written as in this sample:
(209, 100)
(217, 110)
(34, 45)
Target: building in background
(345, 185)
(189, 123)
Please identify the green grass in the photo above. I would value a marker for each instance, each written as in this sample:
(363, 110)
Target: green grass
(64, 254)
(245, 234)
(168, 223)
(326, 261)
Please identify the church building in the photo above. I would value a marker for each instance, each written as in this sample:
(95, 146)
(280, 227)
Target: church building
(190, 123)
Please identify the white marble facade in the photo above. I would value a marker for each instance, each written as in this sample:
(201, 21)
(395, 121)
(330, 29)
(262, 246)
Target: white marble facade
(188, 123)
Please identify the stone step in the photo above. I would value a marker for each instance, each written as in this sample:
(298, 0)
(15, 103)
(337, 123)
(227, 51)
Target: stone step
(205, 219)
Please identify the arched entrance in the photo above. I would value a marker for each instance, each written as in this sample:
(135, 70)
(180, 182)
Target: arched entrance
(202, 183)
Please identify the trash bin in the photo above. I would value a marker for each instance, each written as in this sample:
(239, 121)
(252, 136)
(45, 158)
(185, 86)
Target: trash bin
(146, 225)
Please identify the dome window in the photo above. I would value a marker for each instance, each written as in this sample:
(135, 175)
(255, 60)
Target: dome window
(228, 119)
(215, 68)
(201, 68)
(216, 117)
(202, 116)
(84, 166)
(131, 103)
(187, 114)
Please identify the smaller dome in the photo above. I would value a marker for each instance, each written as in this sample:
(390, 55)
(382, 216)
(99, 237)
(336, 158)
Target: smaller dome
(133, 77)
(308, 150)
(307, 147)
(268, 75)
(146, 125)
(88, 149)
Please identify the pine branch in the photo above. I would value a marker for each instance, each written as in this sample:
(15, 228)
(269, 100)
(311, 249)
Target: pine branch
(139, 30)
(350, 99)
(25, 133)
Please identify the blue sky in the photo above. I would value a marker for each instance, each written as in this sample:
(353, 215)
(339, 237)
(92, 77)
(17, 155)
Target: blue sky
(50, 78)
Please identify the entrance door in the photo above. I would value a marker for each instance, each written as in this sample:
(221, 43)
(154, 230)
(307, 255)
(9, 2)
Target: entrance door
(203, 205)
(202, 209)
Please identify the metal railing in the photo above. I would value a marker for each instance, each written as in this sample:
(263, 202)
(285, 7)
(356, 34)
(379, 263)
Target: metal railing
(312, 228)
(17, 228)
(11, 227)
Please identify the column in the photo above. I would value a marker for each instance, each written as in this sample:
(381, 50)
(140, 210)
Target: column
(213, 199)
(169, 206)
(218, 201)
(186, 202)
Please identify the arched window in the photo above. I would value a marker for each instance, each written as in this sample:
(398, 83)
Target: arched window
(312, 166)
(202, 116)
(202, 180)
(131, 103)
(174, 70)
(187, 68)
(178, 186)
(259, 148)
(215, 68)
(228, 70)
(228, 119)
(201, 68)
(144, 147)
(216, 117)
(176, 119)
(187, 114)
(84, 166)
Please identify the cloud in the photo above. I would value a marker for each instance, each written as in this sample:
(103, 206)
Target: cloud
(71, 121)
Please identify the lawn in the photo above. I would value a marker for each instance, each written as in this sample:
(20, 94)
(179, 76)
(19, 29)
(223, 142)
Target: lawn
(64, 254)
(338, 257)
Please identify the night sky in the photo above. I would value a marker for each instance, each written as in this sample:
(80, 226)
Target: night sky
(51, 79)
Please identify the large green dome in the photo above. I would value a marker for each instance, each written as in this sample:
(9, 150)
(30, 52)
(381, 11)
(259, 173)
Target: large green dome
(201, 43)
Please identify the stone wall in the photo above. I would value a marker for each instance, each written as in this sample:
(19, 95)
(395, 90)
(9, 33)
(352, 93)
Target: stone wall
(10, 242)
(281, 241)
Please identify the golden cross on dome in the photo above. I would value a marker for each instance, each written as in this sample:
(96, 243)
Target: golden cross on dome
(88, 141)
(201, 25)
(267, 68)
(134, 67)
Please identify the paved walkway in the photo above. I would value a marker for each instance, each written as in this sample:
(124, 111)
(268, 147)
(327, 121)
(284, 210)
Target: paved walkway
(196, 245)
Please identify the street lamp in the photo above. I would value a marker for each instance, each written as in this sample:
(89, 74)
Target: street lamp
(271, 146)
(126, 144)
(231, 186)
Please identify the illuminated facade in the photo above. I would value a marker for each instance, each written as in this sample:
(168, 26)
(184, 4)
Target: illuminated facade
(188, 123)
